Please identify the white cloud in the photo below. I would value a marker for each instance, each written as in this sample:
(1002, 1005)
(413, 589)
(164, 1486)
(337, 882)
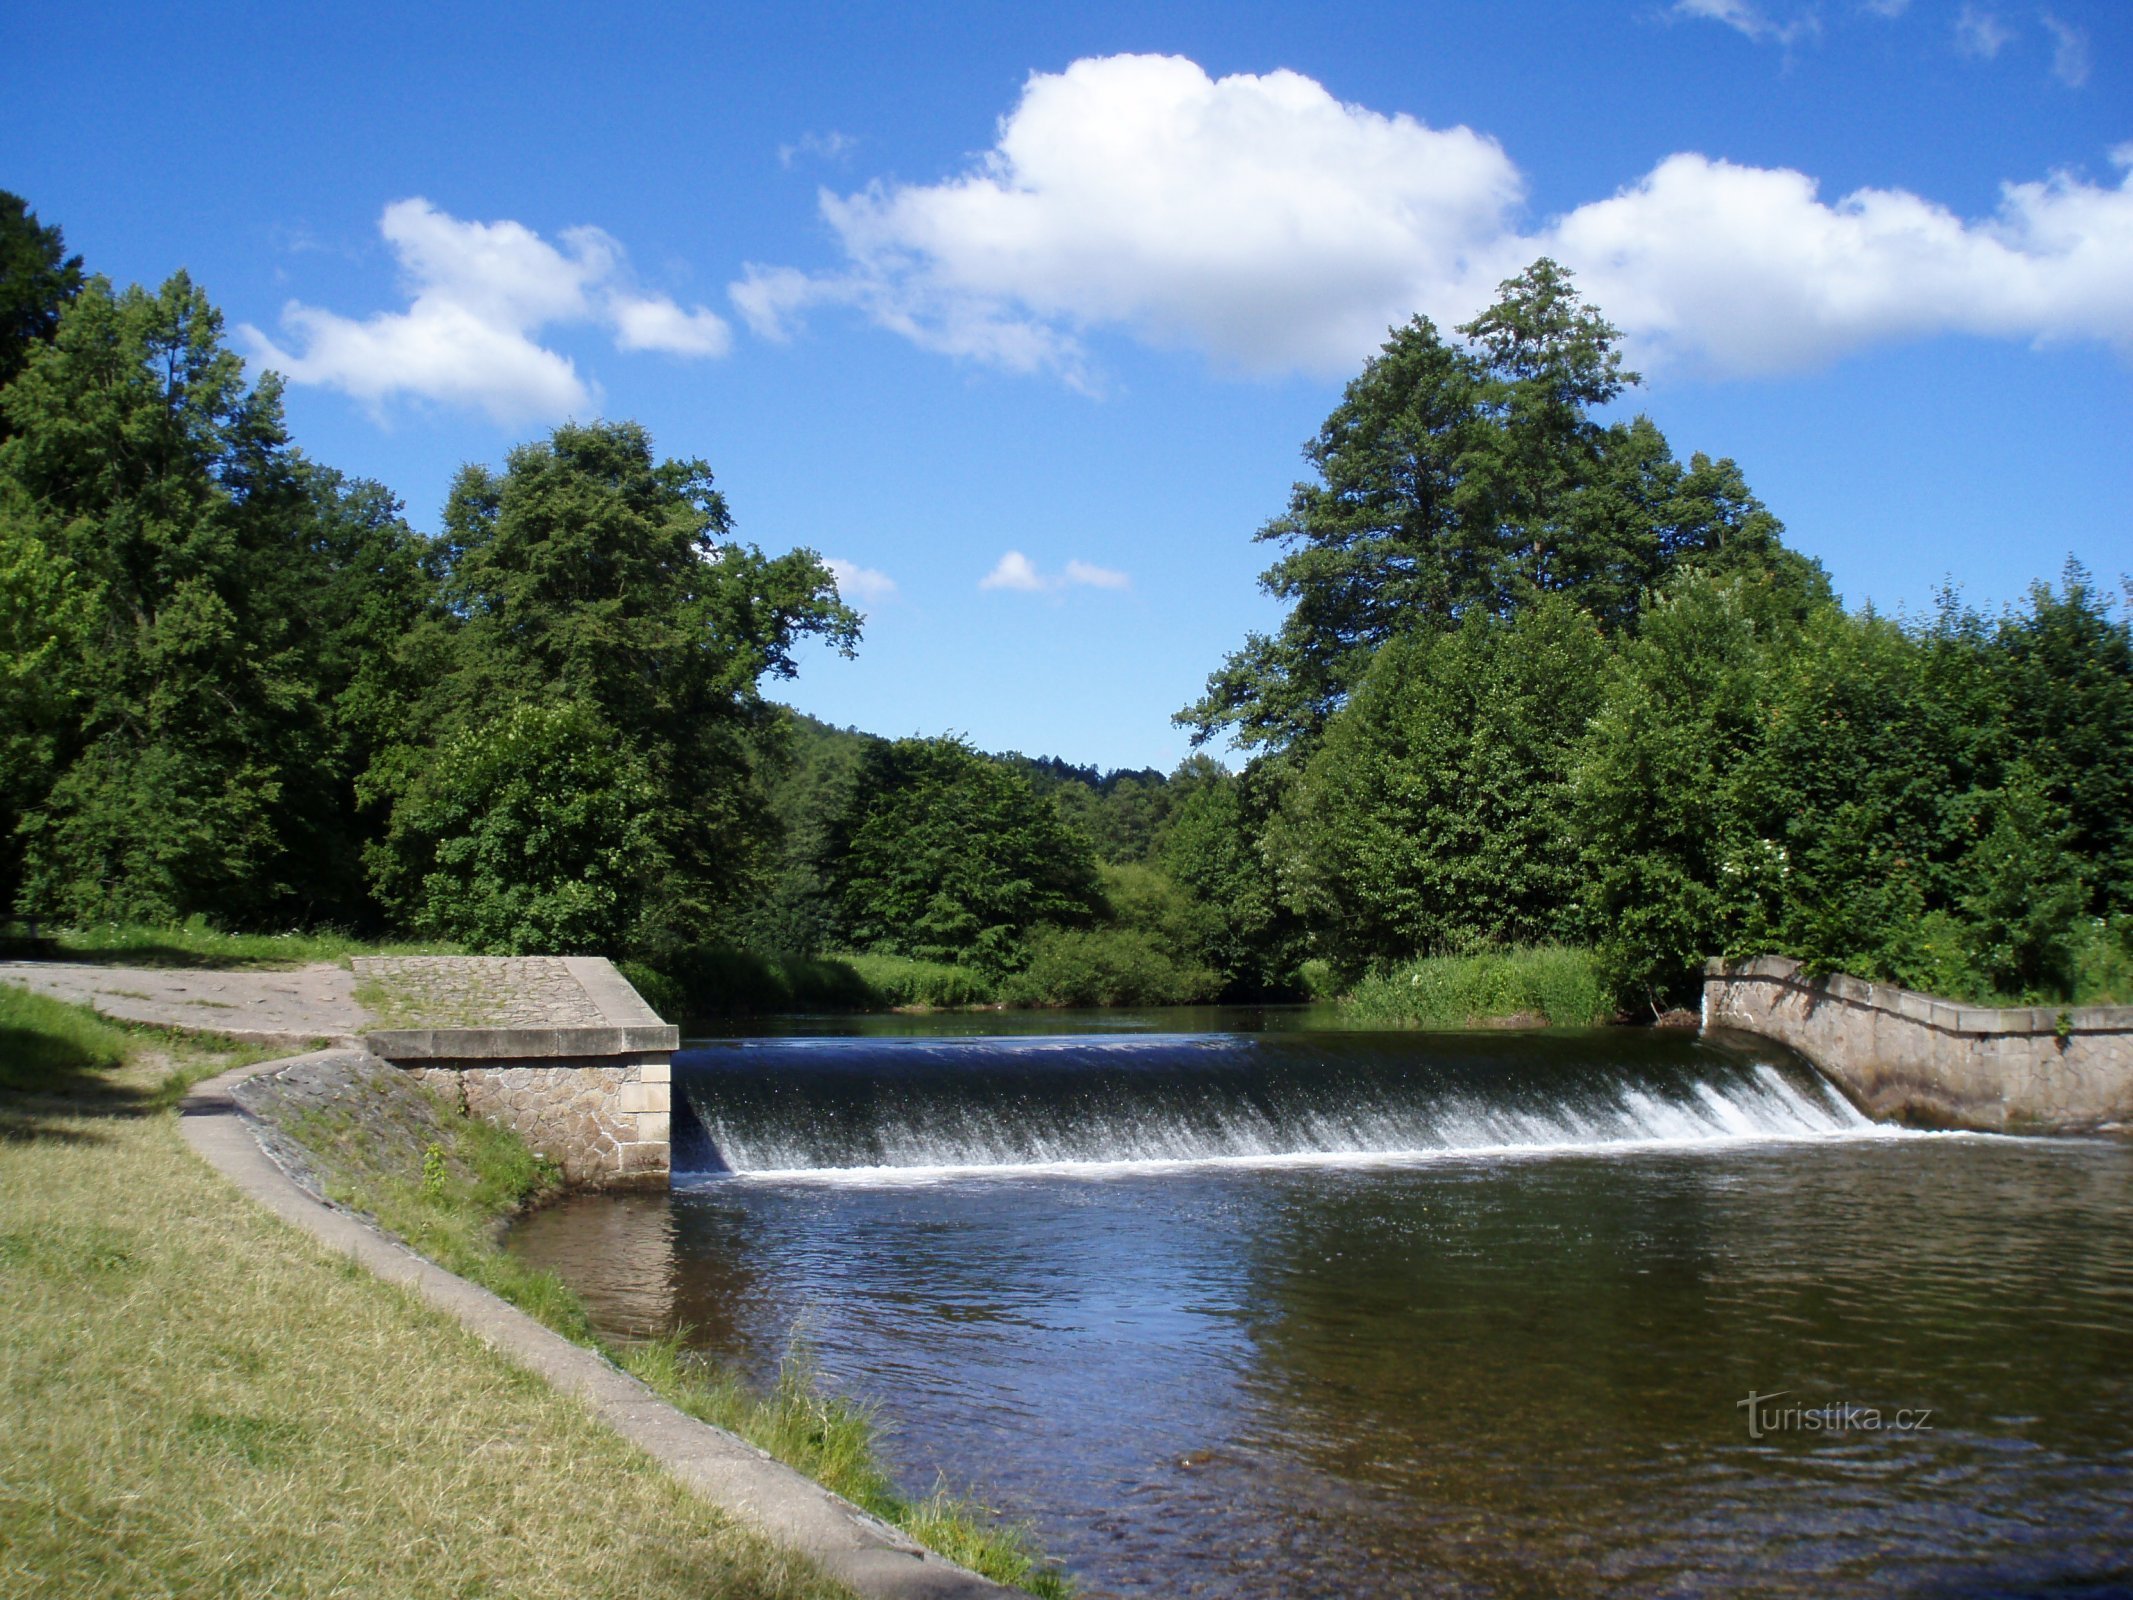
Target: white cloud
(1745, 17)
(1267, 225)
(2070, 51)
(861, 583)
(1097, 577)
(657, 323)
(1746, 269)
(478, 294)
(1979, 33)
(1136, 190)
(831, 146)
(1015, 570)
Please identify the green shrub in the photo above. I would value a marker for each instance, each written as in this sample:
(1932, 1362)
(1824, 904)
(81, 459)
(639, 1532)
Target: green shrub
(1106, 967)
(1549, 983)
(907, 981)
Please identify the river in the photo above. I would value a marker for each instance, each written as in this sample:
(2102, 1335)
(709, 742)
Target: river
(1236, 1303)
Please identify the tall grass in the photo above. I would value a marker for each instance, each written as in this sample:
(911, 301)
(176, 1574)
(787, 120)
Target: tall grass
(1536, 984)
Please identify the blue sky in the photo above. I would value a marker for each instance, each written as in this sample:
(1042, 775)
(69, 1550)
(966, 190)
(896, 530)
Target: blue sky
(1051, 297)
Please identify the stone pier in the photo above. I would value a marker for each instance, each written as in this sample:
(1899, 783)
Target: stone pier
(560, 1049)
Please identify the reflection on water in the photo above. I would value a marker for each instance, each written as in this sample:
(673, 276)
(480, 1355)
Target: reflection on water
(1471, 1374)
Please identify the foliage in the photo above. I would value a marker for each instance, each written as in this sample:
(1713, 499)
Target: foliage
(1247, 935)
(1553, 984)
(1453, 479)
(605, 583)
(948, 856)
(37, 279)
(536, 832)
(896, 982)
(1435, 815)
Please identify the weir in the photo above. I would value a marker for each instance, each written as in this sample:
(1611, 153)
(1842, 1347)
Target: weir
(904, 1108)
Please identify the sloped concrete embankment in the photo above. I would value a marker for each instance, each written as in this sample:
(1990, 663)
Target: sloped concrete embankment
(1909, 1057)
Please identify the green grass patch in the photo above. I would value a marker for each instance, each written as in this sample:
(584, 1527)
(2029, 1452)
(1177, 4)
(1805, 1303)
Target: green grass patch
(197, 943)
(445, 1183)
(49, 1047)
(1538, 984)
(202, 1401)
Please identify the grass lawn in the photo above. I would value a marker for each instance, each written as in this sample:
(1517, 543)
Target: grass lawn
(198, 1400)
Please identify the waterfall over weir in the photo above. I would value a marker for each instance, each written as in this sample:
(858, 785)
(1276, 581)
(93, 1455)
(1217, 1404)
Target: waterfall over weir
(907, 1108)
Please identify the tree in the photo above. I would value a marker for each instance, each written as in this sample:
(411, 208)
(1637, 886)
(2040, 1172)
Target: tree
(1434, 817)
(162, 499)
(37, 279)
(1461, 478)
(588, 571)
(949, 855)
(540, 831)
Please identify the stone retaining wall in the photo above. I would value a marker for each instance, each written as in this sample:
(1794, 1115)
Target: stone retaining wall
(592, 1091)
(1909, 1057)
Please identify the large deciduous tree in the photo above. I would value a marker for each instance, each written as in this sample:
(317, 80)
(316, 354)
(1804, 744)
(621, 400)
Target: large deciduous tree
(590, 573)
(948, 855)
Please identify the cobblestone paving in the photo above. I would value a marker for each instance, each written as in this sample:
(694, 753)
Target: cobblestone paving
(473, 992)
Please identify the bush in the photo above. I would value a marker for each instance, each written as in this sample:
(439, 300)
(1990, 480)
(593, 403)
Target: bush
(906, 981)
(1106, 967)
(1551, 983)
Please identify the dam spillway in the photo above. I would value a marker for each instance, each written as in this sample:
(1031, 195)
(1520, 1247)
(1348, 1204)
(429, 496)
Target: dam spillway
(890, 1108)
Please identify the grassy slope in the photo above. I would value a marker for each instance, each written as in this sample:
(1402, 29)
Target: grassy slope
(199, 1400)
(443, 1182)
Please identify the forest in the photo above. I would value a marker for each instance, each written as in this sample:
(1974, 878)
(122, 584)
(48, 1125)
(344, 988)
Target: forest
(1544, 693)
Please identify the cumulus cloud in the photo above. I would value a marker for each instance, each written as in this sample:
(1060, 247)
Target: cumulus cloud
(855, 582)
(2070, 51)
(1136, 190)
(478, 294)
(1016, 571)
(1262, 222)
(1979, 33)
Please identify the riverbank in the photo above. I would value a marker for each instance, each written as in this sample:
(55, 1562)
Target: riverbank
(200, 1400)
(371, 1138)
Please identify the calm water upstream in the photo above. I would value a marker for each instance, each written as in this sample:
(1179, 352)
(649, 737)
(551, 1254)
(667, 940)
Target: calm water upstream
(1229, 1305)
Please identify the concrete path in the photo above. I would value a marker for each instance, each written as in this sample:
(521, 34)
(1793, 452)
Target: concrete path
(286, 1009)
(868, 1555)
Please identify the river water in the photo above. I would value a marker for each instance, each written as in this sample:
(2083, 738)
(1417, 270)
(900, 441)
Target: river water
(1236, 1304)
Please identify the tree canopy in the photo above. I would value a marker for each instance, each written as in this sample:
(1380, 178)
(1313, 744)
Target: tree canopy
(1461, 477)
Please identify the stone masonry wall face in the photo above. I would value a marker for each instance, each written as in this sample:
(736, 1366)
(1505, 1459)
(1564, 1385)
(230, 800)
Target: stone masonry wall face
(599, 1120)
(1906, 1056)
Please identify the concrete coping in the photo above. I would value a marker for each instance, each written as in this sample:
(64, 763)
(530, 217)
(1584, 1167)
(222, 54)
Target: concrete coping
(1934, 1012)
(626, 1026)
(508, 1044)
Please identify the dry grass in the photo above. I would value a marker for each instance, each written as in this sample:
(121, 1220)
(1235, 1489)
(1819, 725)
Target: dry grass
(200, 1401)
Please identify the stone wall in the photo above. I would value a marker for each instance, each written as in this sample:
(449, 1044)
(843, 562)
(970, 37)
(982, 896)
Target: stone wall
(1909, 1057)
(559, 1049)
(599, 1119)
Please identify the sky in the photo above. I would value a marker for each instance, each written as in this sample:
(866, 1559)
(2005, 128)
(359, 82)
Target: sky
(1020, 316)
